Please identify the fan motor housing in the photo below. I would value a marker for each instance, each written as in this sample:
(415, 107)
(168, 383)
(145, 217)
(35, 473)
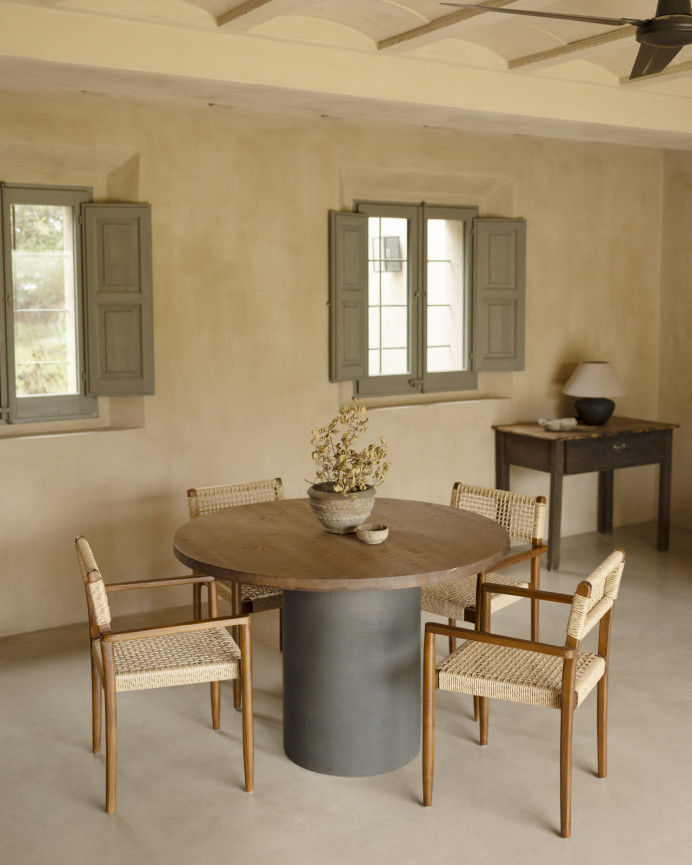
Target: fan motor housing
(670, 31)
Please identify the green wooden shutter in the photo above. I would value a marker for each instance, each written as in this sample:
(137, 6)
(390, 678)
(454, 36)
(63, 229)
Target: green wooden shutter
(499, 296)
(119, 301)
(348, 296)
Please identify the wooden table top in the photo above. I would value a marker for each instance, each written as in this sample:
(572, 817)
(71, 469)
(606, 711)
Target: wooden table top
(615, 426)
(281, 544)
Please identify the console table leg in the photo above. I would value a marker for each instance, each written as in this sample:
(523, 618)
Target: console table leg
(557, 463)
(501, 465)
(664, 485)
(605, 502)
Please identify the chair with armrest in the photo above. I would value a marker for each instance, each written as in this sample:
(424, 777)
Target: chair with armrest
(527, 671)
(524, 517)
(181, 654)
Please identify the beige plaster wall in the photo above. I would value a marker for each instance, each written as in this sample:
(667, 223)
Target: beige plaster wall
(240, 208)
(676, 335)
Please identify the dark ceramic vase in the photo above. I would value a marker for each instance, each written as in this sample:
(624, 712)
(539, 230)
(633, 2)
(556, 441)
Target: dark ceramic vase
(594, 411)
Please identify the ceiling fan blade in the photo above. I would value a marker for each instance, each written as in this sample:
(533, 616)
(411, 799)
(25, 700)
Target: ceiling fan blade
(652, 59)
(613, 22)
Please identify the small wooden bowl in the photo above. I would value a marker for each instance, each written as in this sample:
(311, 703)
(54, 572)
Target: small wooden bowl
(370, 533)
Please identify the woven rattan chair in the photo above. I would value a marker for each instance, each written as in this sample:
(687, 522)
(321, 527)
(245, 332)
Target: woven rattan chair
(524, 671)
(244, 599)
(524, 517)
(208, 500)
(182, 654)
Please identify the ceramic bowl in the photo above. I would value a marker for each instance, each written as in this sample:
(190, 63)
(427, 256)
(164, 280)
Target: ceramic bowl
(370, 533)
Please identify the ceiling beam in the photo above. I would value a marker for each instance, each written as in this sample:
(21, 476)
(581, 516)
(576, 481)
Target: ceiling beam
(555, 55)
(254, 12)
(239, 11)
(438, 24)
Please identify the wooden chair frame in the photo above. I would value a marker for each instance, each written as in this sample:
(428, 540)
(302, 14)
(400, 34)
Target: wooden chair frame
(108, 637)
(569, 654)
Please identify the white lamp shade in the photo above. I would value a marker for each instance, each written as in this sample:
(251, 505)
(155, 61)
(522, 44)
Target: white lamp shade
(594, 378)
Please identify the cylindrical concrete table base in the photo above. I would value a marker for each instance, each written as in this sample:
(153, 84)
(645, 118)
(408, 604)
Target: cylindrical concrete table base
(351, 659)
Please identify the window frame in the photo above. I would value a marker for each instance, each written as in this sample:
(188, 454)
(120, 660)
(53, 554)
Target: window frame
(496, 302)
(14, 409)
(419, 379)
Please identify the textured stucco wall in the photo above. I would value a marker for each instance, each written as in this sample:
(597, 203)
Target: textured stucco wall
(239, 207)
(676, 326)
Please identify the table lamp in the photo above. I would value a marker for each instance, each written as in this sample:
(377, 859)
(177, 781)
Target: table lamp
(594, 382)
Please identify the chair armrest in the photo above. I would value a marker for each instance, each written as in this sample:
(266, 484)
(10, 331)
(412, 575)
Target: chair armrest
(157, 584)
(499, 640)
(537, 594)
(179, 628)
(522, 556)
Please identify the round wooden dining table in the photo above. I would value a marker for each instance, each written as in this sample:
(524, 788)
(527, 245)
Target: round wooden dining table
(351, 616)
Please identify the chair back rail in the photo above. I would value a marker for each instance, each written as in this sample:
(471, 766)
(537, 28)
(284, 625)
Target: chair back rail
(522, 515)
(208, 500)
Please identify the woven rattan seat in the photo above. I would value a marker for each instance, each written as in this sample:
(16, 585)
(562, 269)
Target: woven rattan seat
(183, 654)
(514, 674)
(173, 659)
(524, 517)
(454, 598)
(527, 671)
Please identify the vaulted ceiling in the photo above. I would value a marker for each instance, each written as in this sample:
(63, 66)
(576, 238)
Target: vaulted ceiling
(414, 62)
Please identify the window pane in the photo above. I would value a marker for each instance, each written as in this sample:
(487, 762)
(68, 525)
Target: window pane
(394, 361)
(388, 288)
(43, 277)
(394, 326)
(374, 327)
(445, 287)
(374, 362)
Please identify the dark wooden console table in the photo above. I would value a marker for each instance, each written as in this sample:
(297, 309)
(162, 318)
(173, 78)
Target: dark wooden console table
(621, 443)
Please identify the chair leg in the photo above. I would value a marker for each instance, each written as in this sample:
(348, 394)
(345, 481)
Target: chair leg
(484, 713)
(535, 584)
(95, 708)
(216, 705)
(248, 715)
(452, 640)
(196, 601)
(566, 728)
(213, 599)
(602, 725)
(481, 623)
(236, 610)
(428, 718)
(111, 744)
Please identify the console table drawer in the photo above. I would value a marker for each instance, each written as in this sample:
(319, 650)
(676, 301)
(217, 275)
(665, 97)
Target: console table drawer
(613, 452)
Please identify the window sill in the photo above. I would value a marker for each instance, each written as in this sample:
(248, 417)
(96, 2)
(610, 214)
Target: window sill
(374, 403)
(115, 415)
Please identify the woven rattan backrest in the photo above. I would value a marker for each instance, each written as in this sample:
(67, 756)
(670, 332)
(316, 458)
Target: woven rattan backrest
(523, 516)
(96, 590)
(207, 500)
(604, 582)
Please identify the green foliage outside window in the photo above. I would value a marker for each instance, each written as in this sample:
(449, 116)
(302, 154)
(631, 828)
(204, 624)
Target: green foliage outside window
(43, 279)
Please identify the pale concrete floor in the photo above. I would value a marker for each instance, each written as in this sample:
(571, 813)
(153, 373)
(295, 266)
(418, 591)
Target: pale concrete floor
(180, 796)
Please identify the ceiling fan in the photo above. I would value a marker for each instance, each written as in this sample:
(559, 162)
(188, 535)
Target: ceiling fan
(660, 38)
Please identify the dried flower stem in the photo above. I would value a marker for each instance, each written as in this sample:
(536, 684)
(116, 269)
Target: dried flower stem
(348, 470)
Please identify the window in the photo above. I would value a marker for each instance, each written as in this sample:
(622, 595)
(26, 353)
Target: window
(423, 297)
(77, 312)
